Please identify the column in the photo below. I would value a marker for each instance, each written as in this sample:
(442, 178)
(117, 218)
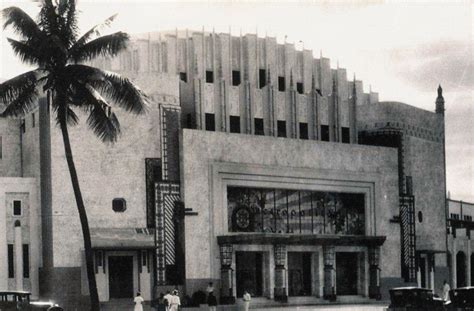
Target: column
(18, 257)
(374, 275)
(329, 292)
(227, 290)
(280, 273)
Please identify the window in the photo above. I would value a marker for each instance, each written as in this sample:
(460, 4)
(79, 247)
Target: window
(11, 268)
(281, 128)
(33, 123)
(346, 135)
(262, 78)
(209, 76)
(235, 77)
(183, 76)
(299, 87)
(16, 208)
(467, 217)
(1, 155)
(189, 121)
(420, 216)
(234, 124)
(324, 132)
(26, 261)
(303, 130)
(119, 205)
(281, 84)
(454, 216)
(210, 122)
(258, 122)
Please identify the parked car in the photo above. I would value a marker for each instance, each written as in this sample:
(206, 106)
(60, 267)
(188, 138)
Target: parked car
(20, 301)
(414, 298)
(461, 299)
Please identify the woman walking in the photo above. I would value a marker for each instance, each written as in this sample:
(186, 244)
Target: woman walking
(138, 303)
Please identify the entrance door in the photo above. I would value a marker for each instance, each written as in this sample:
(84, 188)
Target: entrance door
(121, 276)
(249, 276)
(346, 273)
(299, 274)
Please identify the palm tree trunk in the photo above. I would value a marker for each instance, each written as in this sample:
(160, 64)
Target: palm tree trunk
(94, 296)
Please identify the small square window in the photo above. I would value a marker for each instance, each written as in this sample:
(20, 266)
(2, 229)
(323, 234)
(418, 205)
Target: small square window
(300, 87)
(303, 130)
(119, 205)
(259, 126)
(210, 122)
(281, 128)
(16, 208)
(183, 76)
(234, 124)
(281, 84)
(235, 77)
(209, 76)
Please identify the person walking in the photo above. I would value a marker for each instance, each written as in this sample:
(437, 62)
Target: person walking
(247, 299)
(174, 302)
(446, 289)
(212, 301)
(138, 302)
(167, 300)
(161, 303)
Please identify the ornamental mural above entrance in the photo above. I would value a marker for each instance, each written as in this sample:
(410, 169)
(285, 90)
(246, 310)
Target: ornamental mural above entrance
(295, 211)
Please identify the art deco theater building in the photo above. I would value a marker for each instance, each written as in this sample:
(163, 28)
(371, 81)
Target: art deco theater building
(258, 167)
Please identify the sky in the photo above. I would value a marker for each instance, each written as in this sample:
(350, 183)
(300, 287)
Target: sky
(402, 49)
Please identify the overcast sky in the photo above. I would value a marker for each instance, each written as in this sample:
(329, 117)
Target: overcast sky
(402, 50)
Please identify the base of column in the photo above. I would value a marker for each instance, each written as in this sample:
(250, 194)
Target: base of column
(227, 300)
(374, 292)
(330, 294)
(280, 294)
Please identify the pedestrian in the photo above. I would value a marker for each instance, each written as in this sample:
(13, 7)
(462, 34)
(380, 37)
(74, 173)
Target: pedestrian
(247, 299)
(167, 299)
(212, 301)
(174, 302)
(161, 303)
(446, 290)
(210, 288)
(138, 303)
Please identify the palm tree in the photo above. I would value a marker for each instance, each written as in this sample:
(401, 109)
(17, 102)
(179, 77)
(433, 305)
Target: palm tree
(52, 44)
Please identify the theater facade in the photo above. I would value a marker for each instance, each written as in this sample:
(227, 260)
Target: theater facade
(258, 167)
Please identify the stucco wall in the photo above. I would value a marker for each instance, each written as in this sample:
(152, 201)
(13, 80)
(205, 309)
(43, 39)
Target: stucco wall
(295, 163)
(10, 164)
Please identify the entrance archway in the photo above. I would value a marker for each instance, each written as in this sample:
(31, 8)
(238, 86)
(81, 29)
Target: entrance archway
(460, 269)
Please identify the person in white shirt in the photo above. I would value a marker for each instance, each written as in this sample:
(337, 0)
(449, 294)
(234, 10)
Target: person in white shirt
(175, 302)
(167, 298)
(138, 302)
(446, 289)
(247, 299)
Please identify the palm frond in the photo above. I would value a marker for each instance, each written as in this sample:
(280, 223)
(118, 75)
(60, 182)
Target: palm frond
(26, 52)
(117, 89)
(66, 10)
(12, 89)
(21, 23)
(23, 103)
(108, 45)
(94, 31)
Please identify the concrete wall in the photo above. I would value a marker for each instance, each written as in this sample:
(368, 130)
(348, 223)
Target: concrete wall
(210, 161)
(10, 163)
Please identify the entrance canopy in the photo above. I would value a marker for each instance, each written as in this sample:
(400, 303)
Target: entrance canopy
(122, 238)
(300, 239)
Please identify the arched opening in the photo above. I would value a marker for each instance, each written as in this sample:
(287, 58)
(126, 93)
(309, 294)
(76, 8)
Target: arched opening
(472, 269)
(460, 269)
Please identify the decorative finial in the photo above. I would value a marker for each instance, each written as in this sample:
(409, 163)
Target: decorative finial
(440, 91)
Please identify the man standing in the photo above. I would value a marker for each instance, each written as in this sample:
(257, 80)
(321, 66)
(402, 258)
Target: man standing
(247, 299)
(175, 302)
(167, 298)
(446, 290)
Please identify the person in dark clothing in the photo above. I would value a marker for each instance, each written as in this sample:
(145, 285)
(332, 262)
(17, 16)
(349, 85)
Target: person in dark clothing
(212, 301)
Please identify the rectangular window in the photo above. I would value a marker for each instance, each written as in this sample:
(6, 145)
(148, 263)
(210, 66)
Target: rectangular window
(144, 258)
(33, 123)
(303, 130)
(183, 76)
(26, 261)
(189, 121)
(210, 122)
(16, 208)
(325, 132)
(262, 78)
(11, 268)
(258, 122)
(234, 124)
(209, 76)
(281, 84)
(1, 155)
(300, 87)
(281, 128)
(235, 77)
(346, 135)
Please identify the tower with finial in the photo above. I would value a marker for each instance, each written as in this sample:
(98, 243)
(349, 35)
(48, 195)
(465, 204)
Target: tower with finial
(440, 101)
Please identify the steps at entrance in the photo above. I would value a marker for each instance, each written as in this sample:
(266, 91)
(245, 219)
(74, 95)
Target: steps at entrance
(121, 305)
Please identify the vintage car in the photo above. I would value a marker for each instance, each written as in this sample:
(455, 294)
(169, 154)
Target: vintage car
(461, 299)
(414, 298)
(20, 301)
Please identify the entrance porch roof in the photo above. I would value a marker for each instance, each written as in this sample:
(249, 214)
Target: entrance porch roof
(300, 239)
(122, 238)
